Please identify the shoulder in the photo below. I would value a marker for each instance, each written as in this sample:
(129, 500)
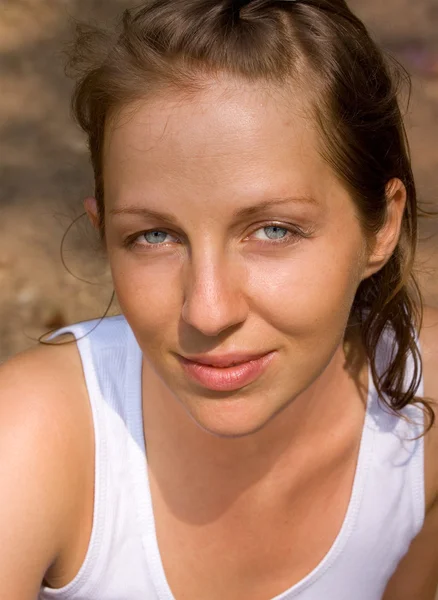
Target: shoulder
(429, 348)
(46, 436)
(40, 384)
(429, 353)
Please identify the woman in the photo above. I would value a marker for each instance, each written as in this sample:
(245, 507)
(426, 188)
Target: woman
(259, 421)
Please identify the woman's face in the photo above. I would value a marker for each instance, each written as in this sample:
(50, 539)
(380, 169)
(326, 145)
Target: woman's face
(230, 240)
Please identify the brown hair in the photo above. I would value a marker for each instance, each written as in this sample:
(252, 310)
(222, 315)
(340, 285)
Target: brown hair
(318, 43)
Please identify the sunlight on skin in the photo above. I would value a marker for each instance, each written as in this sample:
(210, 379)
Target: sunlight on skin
(206, 280)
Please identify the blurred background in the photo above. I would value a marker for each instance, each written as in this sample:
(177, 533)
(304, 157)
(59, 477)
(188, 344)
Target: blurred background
(44, 170)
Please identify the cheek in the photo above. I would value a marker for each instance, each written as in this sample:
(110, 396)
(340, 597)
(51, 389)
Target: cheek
(316, 285)
(149, 294)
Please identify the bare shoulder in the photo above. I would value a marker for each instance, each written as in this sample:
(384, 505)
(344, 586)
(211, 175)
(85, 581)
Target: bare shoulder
(39, 388)
(45, 439)
(429, 352)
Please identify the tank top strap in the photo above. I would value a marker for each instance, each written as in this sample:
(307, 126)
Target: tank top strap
(400, 436)
(84, 581)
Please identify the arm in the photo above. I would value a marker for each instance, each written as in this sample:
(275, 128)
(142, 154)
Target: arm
(33, 477)
(416, 577)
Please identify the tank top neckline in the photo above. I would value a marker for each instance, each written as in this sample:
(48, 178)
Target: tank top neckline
(143, 499)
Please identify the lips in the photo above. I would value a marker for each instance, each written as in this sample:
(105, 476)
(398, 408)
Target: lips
(224, 361)
(227, 372)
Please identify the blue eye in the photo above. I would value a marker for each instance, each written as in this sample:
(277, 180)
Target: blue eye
(155, 237)
(272, 232)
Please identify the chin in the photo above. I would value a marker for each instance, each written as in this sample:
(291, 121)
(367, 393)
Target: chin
(231, 418)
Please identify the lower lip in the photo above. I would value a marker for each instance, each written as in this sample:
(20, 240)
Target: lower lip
(227, 379)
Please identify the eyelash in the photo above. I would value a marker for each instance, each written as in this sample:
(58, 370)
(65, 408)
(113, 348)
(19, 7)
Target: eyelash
(296, 234)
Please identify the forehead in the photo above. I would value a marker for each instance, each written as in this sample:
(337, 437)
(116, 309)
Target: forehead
(229, 137)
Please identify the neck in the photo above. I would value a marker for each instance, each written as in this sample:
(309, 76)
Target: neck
(326, 415)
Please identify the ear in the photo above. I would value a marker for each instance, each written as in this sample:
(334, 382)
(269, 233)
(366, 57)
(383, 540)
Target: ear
(90, 205)
(387, 237)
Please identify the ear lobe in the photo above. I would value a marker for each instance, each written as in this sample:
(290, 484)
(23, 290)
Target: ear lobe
(90, 205)
(388, 236)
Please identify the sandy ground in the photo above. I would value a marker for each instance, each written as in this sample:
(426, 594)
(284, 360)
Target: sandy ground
(44, 170)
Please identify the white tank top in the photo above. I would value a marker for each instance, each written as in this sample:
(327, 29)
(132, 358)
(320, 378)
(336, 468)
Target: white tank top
(385, 512)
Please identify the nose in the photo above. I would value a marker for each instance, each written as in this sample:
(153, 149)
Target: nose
(214, 296)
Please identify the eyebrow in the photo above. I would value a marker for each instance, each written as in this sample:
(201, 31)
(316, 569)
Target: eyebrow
(242, 213)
